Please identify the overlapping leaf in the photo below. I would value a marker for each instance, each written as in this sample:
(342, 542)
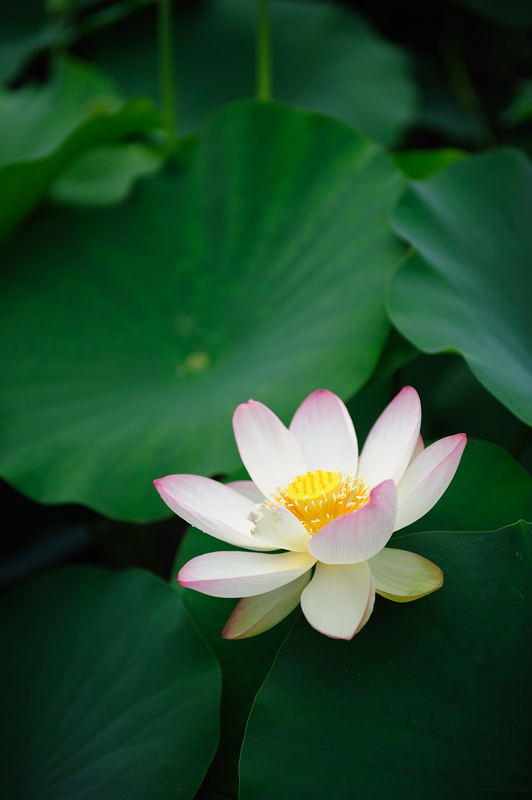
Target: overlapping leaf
(255, 266)
(109, 691)
(468, 287)
(428, 700)
(105, 175)
(44, 128)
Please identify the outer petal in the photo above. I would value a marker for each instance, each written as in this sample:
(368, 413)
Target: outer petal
(337, 600)
(361, 534)
(276, 527)
(237, 574)
(210, 506)
(254, 615)
(427, 478)
(420, 446)
(268, 449)
(324, 429)
(248, 489)
(403, 576)
(392, 439)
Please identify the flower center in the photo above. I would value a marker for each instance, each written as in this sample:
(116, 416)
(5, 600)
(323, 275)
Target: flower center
(318, 497)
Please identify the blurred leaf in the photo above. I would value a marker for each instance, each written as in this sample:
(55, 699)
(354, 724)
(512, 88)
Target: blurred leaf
(244, 663)
(105, 175)
(29, 27)
(468, 288)
(511, 12)
(441, 111)
(325, 58)
(520, 109)
(254, 267)
(111, 693)
(24, 30)
(420, 164)
(429, 700)
(44, 128)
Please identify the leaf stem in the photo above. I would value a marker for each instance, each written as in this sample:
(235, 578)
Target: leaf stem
(166, 67)
(264, 55)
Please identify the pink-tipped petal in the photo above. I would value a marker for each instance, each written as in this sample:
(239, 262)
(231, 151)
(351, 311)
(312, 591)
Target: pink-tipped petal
(339, 599)
(324, 429)
(236, 574)
(358, 536)
(268, 450)
(254, 615)
(248, 489)
(403, 576)
(427, 478)
(392, 439)
(210, 506)
(276, 527)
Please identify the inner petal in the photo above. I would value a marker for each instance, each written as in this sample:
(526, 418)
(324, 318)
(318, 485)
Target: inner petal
(318, 497)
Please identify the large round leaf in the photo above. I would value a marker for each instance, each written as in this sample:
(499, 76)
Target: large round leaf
(256, 267)
(429, 700)
(325, 58)
(468, 288)
(109, 692)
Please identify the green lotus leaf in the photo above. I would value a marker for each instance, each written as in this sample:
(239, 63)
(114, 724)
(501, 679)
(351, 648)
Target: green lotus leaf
(428, 700)
(110, 691)
(105, 175)
(468, 286)
(325, 58)
(255, 265)
(45, 127)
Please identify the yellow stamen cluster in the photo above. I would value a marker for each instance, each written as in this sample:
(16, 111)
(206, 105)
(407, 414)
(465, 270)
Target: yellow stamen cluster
(318, 497)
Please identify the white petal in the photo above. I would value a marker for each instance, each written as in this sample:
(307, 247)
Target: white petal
(276, 527)
(324, 429)
(361, 534)
(268, 450)
(402, 576)
(420, 446)
(254, 615)
(392, 439)
(237, 574)
(248, 489)
(427, 478)
(210, 506)
(337, 600)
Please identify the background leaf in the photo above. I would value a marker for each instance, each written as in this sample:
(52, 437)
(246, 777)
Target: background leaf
(428, 700)
(255, 266)
(110, 691)
(105, 175)
(44, 128)
(470, 224)
(421, 164)
(336, 63)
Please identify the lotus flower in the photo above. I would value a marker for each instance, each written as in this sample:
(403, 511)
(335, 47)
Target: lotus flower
(330, 511)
